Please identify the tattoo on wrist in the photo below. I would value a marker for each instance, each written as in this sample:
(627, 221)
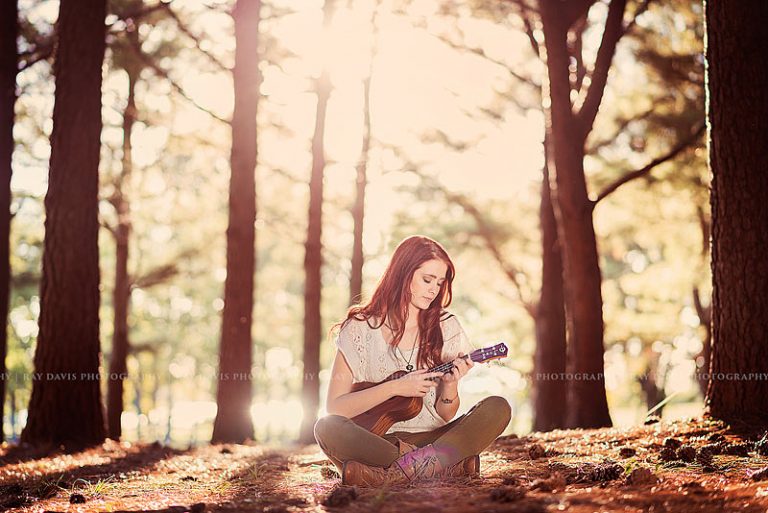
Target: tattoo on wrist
(448, 401)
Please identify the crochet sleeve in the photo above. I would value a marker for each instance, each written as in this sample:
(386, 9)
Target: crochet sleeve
(455, 339)
(350, 343)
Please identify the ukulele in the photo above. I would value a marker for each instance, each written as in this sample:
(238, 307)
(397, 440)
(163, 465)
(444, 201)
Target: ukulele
(381, 417)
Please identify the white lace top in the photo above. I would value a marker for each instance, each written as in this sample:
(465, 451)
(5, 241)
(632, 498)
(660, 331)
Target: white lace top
(370, 359)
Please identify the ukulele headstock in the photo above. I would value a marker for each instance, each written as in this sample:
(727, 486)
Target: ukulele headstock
(486, 354)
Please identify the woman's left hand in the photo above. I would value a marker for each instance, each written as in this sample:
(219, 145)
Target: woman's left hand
(460, 368)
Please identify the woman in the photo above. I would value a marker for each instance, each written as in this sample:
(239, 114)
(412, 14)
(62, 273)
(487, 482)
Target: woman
(404, 327)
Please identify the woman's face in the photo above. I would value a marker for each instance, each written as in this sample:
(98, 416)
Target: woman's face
(426, 282)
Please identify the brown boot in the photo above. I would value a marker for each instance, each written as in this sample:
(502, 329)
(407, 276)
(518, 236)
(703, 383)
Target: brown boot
(421, 463)
(356, 473)
(469, 466)
(405, 447)
(416, 464)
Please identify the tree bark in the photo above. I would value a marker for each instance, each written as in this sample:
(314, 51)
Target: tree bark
(121, 294)
(9, 27)
(233, 418)
(737, 81)
(358, 209)
(652, 382)
(65, 407)
(313, 261)
(588, 406)
(705, 318)
(549, 361)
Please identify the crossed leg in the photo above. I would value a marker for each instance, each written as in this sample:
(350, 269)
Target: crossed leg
(342, 440)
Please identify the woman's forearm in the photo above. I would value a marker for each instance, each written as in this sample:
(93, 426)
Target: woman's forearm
(447, 410)
(354, 403)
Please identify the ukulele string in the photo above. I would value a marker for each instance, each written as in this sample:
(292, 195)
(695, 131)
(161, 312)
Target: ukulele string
(478, 355)
(446, 367)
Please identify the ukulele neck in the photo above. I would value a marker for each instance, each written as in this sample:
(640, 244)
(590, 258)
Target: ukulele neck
(477, 356)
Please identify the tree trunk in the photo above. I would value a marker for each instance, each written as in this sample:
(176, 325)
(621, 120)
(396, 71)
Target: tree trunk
(65, 407)
(12, 413)
(9, 27)
(703, 360)
(121, 295)
(233, 418)
(549, 363)
(705, 355)
(737, 79)
(652, 392)
(358, 209)
(653, 382)
(587, 404)
(313, 261)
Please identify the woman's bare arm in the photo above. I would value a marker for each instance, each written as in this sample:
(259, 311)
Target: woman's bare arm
(449, 392)
(342, 401)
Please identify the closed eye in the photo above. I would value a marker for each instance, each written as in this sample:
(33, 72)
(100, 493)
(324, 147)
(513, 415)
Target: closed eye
(429, 277)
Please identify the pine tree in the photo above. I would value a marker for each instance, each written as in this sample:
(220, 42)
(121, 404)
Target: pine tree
(233, 417)
(65, 407)
(737, 93)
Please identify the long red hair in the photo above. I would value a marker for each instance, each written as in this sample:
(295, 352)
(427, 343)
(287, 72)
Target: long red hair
(392, 296)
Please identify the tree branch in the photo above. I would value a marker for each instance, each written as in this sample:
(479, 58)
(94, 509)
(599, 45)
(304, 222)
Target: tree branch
(156, 276)
(703, 312)
(594, 96)
(526, 13)
(576, 9)
(111, 229)
(146, 10)
(161, 273)
(149, 347)
(576, 49)
(185, 30)
(40, 52)
(481, 53)
(149, 62)
(640, 10)
(24, 279)
(621, 128)
(44, 48)
(706, 229)
(485, 231)
(682, 145)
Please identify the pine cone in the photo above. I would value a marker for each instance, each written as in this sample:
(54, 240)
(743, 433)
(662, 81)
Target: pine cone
(686, 453)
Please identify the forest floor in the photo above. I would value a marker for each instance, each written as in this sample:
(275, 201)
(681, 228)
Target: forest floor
(692, 465)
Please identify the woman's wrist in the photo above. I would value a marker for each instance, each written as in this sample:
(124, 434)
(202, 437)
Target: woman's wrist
(449, 393)
(448, 400)
(447, 405)
(391, 388)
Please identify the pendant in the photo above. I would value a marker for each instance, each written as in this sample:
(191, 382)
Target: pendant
(409, 367)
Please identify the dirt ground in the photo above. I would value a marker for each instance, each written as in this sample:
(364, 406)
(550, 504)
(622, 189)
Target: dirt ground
(682, 466)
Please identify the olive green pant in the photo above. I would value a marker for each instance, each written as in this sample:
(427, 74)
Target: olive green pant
(342, 440)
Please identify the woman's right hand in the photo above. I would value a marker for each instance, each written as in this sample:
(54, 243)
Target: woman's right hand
(415, 383)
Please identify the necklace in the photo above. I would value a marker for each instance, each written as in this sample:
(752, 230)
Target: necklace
(408, 366)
